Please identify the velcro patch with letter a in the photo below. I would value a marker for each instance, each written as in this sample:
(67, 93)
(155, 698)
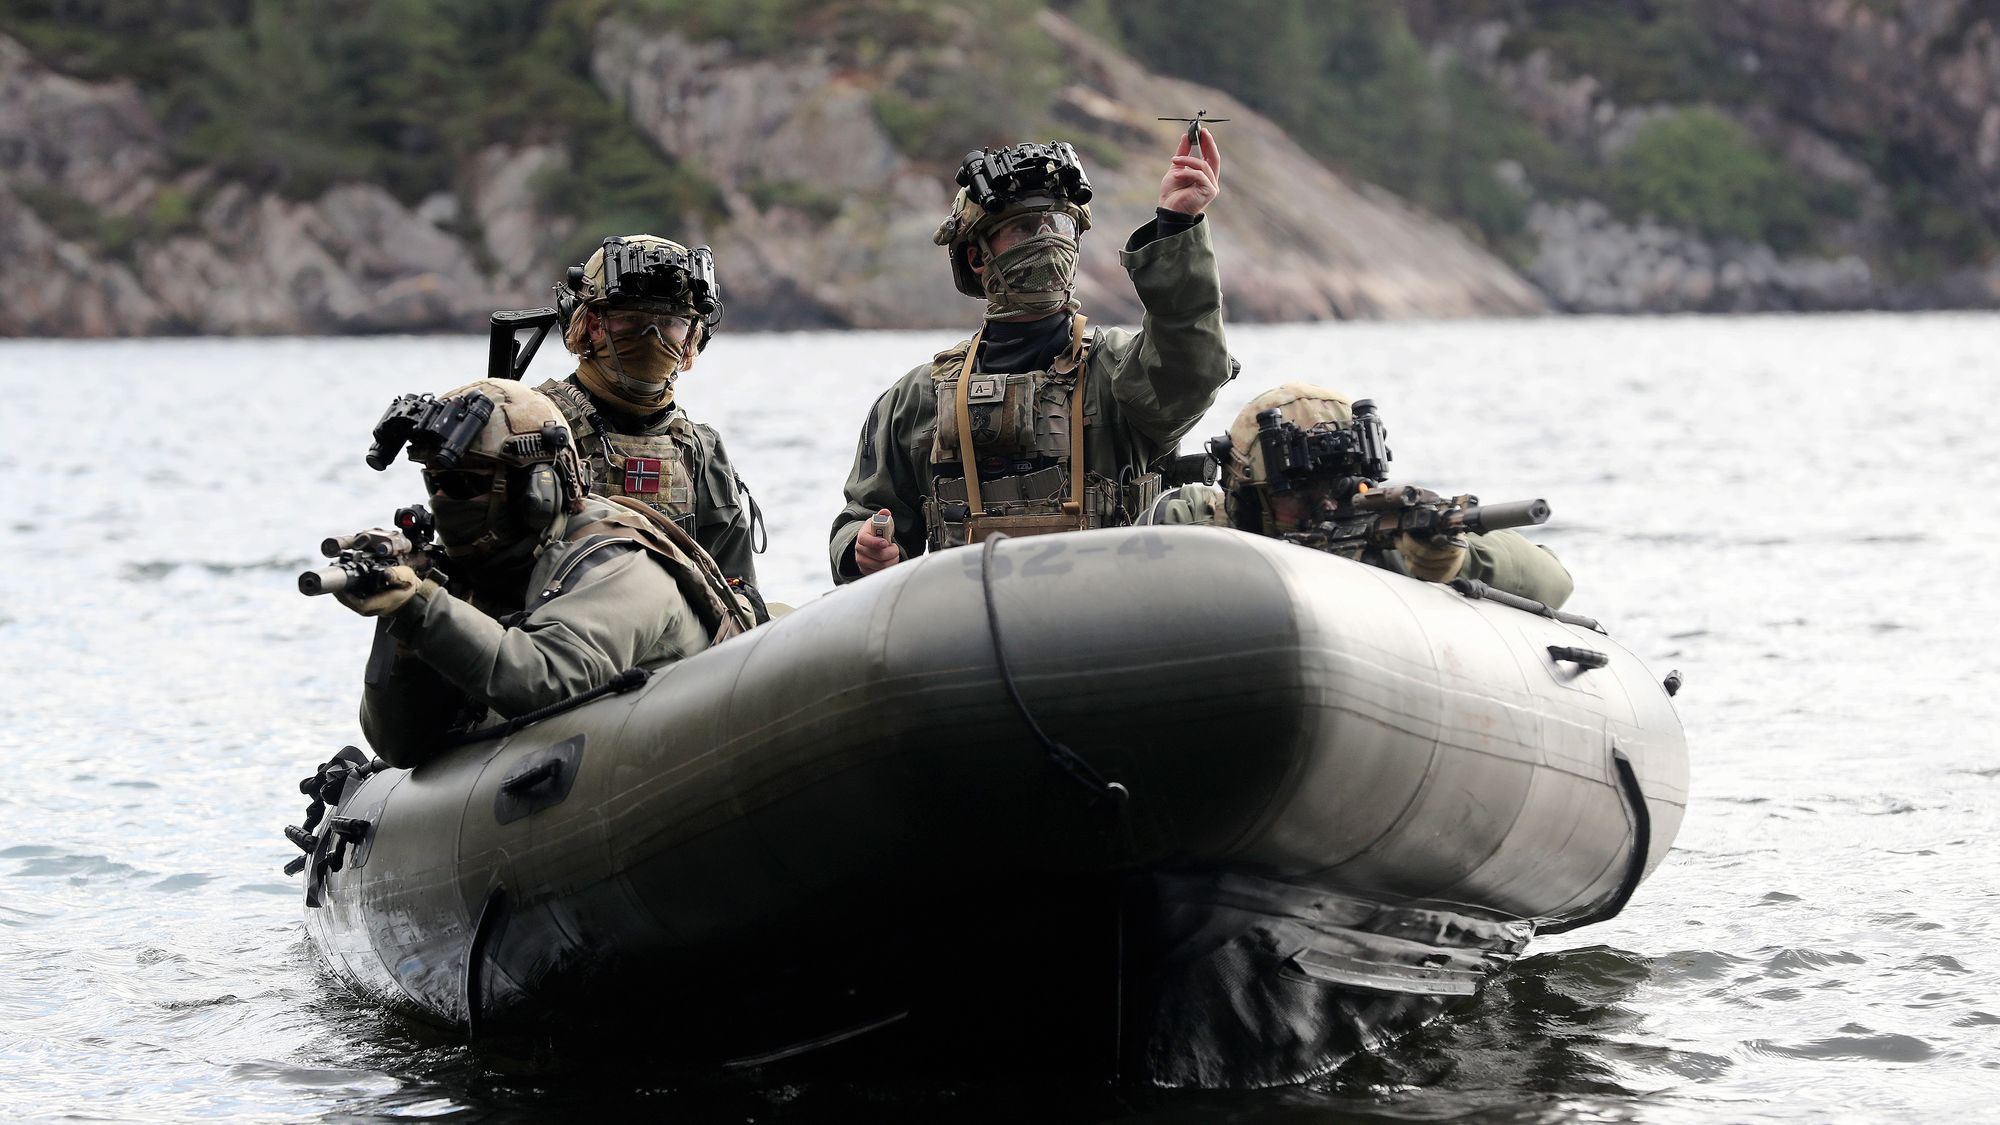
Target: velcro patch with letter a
(642, 475)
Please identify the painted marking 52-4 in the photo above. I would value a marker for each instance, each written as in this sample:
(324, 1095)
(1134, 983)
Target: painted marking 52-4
(1045, 556)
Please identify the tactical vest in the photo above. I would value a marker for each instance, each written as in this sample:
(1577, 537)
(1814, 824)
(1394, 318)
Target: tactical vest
(722, 611)
(656, 470)
(1024, 435)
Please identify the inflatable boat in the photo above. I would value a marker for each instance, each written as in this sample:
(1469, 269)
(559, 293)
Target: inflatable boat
(1177, 805)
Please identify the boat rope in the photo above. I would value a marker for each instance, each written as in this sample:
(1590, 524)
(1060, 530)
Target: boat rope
(1067, 760)
(1476, 590)
(631, 679)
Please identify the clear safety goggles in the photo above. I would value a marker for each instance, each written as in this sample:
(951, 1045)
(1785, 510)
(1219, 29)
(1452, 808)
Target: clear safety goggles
(675, 326)
(1020, 228)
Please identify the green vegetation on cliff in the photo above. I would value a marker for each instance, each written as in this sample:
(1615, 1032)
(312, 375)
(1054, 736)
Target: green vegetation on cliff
(1386, 92)
(293, 97)
(402, 93)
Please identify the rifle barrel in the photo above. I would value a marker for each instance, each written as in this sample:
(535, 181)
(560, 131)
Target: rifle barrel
(1498, 517)
(325, 580)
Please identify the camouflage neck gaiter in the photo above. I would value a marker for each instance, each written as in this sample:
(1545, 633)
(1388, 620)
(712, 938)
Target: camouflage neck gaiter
(474, 530)
(636, 373)
(1032, 278)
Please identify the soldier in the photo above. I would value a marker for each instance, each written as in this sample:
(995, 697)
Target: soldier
(1040, 423)
(636, 314)
(1503, 560)
(552, 593)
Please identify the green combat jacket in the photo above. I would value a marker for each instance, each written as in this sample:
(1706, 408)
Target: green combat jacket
(697, 487)
(1142, 391)
(1504, 560)
(616, 609)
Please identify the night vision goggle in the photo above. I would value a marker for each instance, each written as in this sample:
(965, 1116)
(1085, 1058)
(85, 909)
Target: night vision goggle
(636, 273)
(438, 431)
(996, 178)
(1295, 458)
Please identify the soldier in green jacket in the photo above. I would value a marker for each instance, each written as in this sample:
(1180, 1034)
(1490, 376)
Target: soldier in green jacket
(552, 591)
(1041, 423)
(1504, 560)
(636, 314)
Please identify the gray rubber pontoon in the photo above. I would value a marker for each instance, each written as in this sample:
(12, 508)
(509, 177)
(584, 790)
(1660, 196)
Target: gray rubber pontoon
(1351, 797)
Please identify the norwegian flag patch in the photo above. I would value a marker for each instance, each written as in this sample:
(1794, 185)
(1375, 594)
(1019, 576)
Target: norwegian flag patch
(642, 475)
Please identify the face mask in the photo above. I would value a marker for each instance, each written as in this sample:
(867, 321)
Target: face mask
(637, 371)
(1032, 278)
(473, 529)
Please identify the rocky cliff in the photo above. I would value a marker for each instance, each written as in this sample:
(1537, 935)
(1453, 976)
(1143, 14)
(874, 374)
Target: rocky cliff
(823, 221)
(1894, 106)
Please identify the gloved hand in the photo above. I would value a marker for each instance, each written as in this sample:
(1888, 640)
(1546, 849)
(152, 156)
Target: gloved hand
(400, 585)
(873, 552)
(1433, 560)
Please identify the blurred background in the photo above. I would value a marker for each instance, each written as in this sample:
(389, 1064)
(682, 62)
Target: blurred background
(358, 166)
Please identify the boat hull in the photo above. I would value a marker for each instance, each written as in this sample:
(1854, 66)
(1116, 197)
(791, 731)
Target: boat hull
(841, 821)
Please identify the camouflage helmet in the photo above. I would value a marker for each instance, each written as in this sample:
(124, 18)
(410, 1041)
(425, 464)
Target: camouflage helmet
(998, 184)
(521, 429)
(645, 271)
(1301, 404)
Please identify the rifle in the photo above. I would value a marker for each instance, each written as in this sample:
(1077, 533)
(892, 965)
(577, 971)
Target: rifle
(1348, 468)
(361, 561)
(507, 352)
(1378, 515)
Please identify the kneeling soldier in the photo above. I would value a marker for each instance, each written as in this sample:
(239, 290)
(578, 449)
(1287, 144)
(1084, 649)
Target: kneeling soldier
(1504, 560)
(552, 591)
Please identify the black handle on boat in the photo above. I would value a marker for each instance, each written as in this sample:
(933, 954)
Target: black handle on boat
(1581, 657)
(547, 770)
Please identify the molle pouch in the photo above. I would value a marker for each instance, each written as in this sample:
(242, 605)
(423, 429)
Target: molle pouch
(650, 469)
(1002, 412)
(1052, 420)
(1140, 493)
(1100, 500)
(1017, 526)
(945, 513)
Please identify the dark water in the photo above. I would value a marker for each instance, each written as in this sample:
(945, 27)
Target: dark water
(1797, 513)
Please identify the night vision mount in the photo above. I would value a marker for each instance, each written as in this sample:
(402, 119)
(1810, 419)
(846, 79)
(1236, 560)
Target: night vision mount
(995, 178)
(647, 273)
(1296, 458)
(439, 430)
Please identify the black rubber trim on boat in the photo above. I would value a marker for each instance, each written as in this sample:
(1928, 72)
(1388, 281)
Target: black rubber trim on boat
(1635, 863)
(1065, 759)
(490, 918)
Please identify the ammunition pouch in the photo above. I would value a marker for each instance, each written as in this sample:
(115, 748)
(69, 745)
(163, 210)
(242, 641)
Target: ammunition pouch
(1032, 504)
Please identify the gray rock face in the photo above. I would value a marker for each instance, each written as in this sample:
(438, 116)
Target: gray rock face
(1589, 262)
(355, 260)
(521, 238)
(1586, 261)
(827, 223)
(55, 288)
(96, 142)
(1295, 241)
(1921, 73)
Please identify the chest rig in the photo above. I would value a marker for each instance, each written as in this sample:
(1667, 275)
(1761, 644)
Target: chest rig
(1007, 452)
(656, 470)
